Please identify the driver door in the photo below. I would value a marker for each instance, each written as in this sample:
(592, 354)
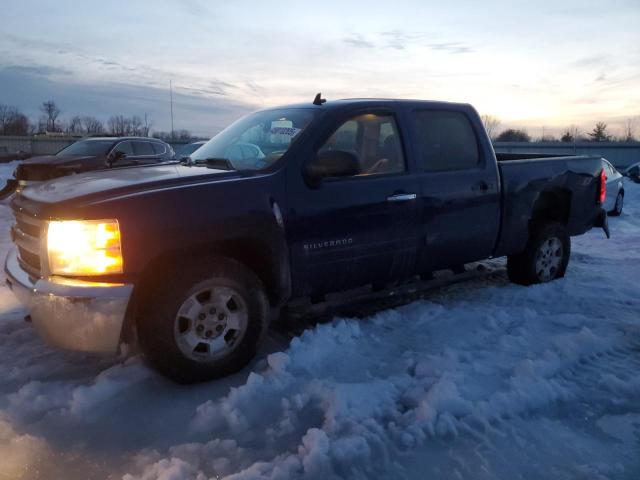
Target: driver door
(357, 229)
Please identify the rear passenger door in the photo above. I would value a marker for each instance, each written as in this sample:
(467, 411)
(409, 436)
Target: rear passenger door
(459, 189)
(144, 153)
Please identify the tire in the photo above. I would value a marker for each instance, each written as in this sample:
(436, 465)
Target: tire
(545, 258)
(190, 335)
(617, 209)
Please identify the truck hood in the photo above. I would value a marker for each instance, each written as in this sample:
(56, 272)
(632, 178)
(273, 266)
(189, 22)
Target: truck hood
(51, 166)
(97, 185)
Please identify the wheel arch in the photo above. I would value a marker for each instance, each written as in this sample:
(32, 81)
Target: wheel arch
(269, 261)
(552, 205)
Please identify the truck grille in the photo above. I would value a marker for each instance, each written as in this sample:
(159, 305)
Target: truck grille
(26, 233)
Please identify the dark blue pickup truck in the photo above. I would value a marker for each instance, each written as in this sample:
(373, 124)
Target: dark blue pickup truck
(190, 259)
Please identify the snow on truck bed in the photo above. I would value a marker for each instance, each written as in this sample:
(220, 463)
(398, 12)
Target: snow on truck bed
(481, 380)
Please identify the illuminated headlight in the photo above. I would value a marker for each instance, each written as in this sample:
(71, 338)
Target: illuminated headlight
(84, 247)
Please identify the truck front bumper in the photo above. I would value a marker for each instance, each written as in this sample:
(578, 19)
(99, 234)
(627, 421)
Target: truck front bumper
(71, 314)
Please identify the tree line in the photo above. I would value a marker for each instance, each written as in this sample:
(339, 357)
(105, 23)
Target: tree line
(15, 122)
(600, 133)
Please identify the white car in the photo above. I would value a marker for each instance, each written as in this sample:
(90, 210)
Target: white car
(633, 172)
(615, 190)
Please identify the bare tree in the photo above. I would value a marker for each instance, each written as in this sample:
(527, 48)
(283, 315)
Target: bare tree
(92, 125)
(491, 124)
(4, 114)
(13, 121)
(136, 126)
(183, 134)
(129, 126)
(119, 125)
(51, 113)
(629, 131)
(146, 127)
(74, 126)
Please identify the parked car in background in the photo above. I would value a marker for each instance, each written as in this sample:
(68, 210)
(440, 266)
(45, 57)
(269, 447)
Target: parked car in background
(6, 156)
(186, 150)
(87, 155)
(615, 189)
(633, 172)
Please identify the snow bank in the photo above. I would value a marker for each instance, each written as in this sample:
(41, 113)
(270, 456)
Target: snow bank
(20, 454)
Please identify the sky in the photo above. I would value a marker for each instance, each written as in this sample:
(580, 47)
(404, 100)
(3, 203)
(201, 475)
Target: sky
(544, 64)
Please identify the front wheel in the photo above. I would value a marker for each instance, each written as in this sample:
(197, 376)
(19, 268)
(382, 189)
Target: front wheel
(204, 323)
(545, 257)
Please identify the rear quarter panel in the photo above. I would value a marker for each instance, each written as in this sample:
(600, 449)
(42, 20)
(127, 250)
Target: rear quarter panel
(524, 181)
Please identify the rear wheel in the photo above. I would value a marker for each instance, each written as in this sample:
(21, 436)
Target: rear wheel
(617, 209)
(204, 323)
(545, 257)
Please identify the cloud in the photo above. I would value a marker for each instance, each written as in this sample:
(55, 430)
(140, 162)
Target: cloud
(591, 61)
(194, 110)
(396, 39)
(357, 41)
(451, 47)
(40, 70)
(399, 40)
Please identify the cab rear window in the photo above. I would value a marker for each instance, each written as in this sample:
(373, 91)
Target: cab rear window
(446, 140)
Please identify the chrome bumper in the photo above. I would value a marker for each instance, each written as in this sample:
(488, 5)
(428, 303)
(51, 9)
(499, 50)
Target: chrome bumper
(71, 314)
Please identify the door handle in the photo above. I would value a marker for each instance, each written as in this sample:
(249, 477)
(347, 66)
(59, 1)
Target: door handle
(402, 197)
(480, 187)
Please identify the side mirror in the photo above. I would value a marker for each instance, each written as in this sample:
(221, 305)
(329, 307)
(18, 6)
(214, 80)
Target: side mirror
(332, 163)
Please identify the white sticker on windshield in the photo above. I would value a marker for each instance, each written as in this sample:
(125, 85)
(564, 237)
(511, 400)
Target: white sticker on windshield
(288, 131)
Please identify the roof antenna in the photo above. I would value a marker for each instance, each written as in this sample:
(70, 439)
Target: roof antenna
(319, 100)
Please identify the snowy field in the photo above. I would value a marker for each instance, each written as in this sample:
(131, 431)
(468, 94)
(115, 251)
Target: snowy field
(481, 380)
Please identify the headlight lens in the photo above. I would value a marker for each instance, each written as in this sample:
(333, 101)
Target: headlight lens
(84, 247)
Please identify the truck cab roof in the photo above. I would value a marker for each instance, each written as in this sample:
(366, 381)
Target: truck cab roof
(350, 102)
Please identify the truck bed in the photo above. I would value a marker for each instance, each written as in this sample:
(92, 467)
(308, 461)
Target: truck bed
(508, 157)
(554, 182)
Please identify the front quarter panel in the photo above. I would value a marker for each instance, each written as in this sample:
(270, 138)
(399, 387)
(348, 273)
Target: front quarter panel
(188, 218)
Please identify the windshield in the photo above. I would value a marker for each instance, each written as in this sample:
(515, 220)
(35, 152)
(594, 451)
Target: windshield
(186, 150)
(87, 147)
(258, 140)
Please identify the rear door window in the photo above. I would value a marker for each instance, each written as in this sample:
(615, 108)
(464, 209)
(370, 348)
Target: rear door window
(446, 140)
(143, 148)
(158, 148)
(608, 170)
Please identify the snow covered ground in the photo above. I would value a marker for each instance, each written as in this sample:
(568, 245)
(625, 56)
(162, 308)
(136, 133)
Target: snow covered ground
(481, 380)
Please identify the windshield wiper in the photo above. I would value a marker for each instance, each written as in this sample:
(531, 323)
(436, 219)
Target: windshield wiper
(215, 162)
